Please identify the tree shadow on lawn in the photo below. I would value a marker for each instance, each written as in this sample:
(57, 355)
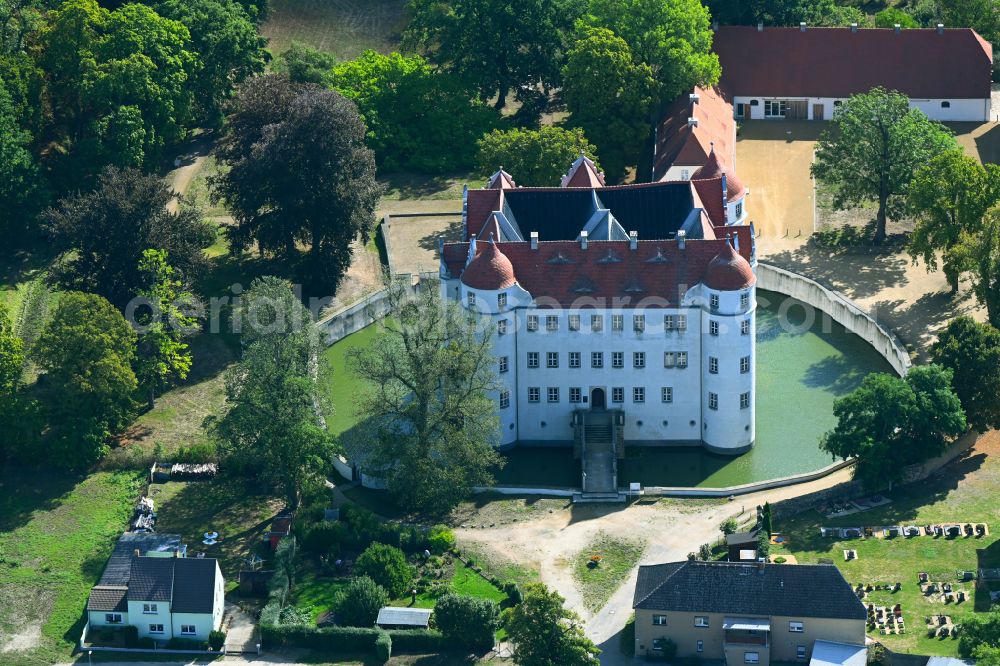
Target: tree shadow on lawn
(917, 322)
(24, 491)
(904, 509)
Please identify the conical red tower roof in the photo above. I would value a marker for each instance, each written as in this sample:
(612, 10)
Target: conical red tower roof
(491, 270)
(728, 271)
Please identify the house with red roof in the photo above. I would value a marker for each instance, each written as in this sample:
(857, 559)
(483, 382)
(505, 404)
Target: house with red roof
(621, 314)
(806, 72)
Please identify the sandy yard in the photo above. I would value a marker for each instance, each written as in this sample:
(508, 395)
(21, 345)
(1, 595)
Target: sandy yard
(413, 241)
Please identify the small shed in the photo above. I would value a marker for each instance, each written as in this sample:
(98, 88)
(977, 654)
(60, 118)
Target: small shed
(254, 583)
(393, 617)
(281, 527)
(742, 546)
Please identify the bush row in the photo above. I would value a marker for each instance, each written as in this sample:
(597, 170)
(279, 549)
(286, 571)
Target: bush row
(350, 639)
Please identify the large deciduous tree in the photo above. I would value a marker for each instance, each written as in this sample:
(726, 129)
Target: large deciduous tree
(535, 158)
(299, 172)
(360, 602)
(21, 185)
(271, 430)
(971, 350)
(417, 117)
(888, 423)
(609, 95)
(983, 250)
(870, 153)
(86, 351)
(673, 37)
(387, 566)
(545, 633)
(468, 621)
(495, 46)
(227, 43)
(949, 196)
(432, 416)
(103, 234)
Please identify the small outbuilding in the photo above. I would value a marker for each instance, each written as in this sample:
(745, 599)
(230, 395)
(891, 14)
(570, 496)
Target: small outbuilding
(742, 546)
(281, 527)
(392, 617)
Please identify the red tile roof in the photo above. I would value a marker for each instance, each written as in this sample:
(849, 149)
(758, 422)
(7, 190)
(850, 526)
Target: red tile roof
(836, 62)
(491, 269)
(679, 143)
(713, 168)
(657, 273)
(583, 174)
(728, 271)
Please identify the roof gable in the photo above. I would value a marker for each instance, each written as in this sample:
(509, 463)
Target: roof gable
(194, 585)
(152, 579)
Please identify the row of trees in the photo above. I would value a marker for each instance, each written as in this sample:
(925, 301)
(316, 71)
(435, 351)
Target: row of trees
(889, 422)
(83, 86)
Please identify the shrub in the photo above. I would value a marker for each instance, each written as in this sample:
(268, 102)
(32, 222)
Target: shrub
(467, 621)
(217, 639)
(513, 592)
(387, 566)
(322, 537)
(351, 639)
(729, 526)
(418, 641)
(360, 602)
(780, 560)
(186, 644)
(196, 454)
(705, 551)
(131, 636)
(383, 647)
(441, 539)
(147, 643)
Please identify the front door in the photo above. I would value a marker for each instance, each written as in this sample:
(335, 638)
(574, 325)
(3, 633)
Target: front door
(817, 112)
(597, 398)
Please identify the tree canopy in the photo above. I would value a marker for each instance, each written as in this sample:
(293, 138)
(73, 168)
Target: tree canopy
(21, 184)
(360, 602)
(467, 621)
(971, 351)
(888, 423)
(609, 95)
(387, 566)
(545, 633)
(535, 158)
(983, 250)
(874, 146)
(104, 233)
(432, 422)
(299, 172)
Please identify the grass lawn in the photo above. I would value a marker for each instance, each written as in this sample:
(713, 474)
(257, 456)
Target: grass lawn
(55, 537)
(340, 386)
(239, 514)
(316, 593)
(964, 492)
(499, 567)
(342, 27)
(618, 558)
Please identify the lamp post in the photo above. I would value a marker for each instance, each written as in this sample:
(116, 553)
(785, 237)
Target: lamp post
(90, 657)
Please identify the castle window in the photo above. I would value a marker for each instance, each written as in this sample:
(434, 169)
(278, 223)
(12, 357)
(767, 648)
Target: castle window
(502, 327)
(638, 359)
(551, 323)
(744, 300)
(739, 210)
(744, 401)
(618, 394)
(532, 323)
(675, 322)
(745, 327)
(669, 359)
(532, 359)
(617, 359)
(553, 394)
(713, 400)
(667, 394)
(551, 359)
(504, 399)
(638, 394)
(502, 300)
(713, 365)
(638, 323)
(682, 359)
(713, 301)
(574, 322)
(682, 322)
(472, 299)
(685, 174)
(597, 359)
(946, 105)
(503, 364)
(745, 365)
(575, 394)
(574, 359)
(534, 394)
(617, 322)
(596, 323)
(713, 328)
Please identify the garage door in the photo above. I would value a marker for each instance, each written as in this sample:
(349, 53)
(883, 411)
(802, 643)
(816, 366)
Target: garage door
(797, 110)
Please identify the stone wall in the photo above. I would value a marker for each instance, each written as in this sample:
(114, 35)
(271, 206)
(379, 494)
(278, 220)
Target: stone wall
(841, 309)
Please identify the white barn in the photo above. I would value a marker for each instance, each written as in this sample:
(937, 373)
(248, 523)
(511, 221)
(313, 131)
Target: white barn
(806, 72)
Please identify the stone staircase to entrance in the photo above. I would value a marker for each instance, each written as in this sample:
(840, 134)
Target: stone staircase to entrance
(600, 468)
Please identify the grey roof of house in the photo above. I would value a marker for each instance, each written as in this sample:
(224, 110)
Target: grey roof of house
(733, 588)
(119, 566)
(392, 616)
(741, 538)
(108, 598)
(152, 579)
(194, 585)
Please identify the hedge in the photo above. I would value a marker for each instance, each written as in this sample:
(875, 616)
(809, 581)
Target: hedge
(350, 639)
(383, 647)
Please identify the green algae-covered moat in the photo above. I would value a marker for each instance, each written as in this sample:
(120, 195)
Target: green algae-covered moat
(805, 361)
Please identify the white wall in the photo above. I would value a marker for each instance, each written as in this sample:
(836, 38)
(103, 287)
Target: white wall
(141, 620)
(97, 619)
(204, 624)
(961, 110)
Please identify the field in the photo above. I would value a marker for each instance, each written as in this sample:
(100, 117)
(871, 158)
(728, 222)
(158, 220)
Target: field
(342, 27)
(55, 536)
(962, 492)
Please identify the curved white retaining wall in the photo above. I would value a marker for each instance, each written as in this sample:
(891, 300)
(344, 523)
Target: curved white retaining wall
(841, 309)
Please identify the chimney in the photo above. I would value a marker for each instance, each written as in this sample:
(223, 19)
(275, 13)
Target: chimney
(897, 28)
(802, 26)
(760, 564)
(681, 238)
(633, 240)
(534, 240)
(583, 240)
(940, 28)
(760, 27)
(854, 27)
(136, 552)
(694, 98)
(692, 122)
